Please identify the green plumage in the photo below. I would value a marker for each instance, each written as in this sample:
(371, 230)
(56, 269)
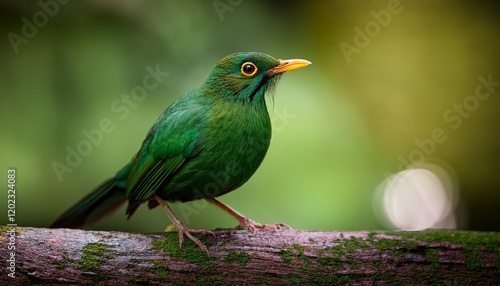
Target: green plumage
(207, 143)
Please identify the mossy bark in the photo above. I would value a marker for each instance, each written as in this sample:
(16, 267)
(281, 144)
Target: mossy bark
(438, 257)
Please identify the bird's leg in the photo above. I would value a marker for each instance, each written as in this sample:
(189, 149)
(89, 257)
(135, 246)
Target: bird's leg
(247, 223)
(181, 228)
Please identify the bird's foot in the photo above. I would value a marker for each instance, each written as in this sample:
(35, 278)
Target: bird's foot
(182, 229)
(247, 223)
(252, 226)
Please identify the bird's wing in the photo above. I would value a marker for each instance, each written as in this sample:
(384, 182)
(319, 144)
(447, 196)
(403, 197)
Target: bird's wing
(170, 143)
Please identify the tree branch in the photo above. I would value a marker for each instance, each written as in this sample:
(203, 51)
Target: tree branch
(67, 256)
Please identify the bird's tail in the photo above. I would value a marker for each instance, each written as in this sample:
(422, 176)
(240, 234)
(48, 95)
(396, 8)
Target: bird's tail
(94, 207)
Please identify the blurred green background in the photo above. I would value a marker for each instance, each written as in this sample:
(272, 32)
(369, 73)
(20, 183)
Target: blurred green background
(341, 126)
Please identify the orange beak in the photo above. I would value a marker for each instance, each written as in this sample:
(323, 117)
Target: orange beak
(288, 65)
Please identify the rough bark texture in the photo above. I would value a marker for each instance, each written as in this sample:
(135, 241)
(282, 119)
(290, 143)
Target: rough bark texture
(64, 256)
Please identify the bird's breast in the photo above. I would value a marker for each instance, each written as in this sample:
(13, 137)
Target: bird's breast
(240, 133)
(233, 143)
(236, 141)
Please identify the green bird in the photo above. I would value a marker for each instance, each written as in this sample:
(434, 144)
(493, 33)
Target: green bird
(206, 144)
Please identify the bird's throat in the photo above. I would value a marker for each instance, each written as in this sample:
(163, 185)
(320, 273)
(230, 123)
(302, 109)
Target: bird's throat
(266, 86)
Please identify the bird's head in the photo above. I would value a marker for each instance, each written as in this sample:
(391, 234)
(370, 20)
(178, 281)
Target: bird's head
(247, 76)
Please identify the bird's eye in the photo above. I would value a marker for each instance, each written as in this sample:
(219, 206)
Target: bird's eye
(248, 69)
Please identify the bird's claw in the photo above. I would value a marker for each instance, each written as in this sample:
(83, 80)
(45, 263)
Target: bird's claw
(252, 226)
(187, 232)
(182, 229)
